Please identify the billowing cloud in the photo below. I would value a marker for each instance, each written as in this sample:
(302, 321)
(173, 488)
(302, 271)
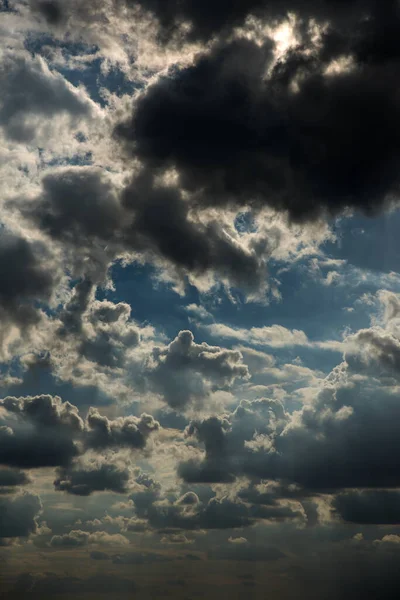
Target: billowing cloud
(33, 95)
(185, 372)
(44, 431)
(25, 280)
(18, 515)
(38, 431)
(10, 478)
(121, 432)
(93, 476)
(293, 136)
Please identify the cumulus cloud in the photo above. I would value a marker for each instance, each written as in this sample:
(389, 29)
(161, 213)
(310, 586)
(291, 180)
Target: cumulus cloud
(185, 372)
(123, 431)
(275, 336)
(33, 95)
(94, 475)
(348, 426)
(38, 431)
(44, 431)
(18, 515)
(82, 538)
(79, 208)
(25, 279)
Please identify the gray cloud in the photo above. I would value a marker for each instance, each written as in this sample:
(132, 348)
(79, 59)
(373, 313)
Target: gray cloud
(38, 431)
(44, 431)
(123, 431)
(18, 515)
(25, 280)
(239, 136)
(186, 372)
(369, 506)
(30, 91)
(347, 438)
(79, 208)
(94, 476)
(10, 478)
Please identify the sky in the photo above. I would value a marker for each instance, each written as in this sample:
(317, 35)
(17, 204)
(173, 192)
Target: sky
(199, 299)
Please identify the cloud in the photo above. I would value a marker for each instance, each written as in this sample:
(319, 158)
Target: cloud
(169, 512)
(25, 279)
(33, 95)
(38, 431)
(275, 336)
(44, 431)
(259, 135)
(202, 20)
(83, 538)
(369, 506)
(10, 478)
(185, 372)
(18, 515)
(123, 431)
(79, 208)
(95, 475)
(349, 426)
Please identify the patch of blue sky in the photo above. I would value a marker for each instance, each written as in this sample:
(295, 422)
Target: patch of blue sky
(89, 73)
(152, 301)
(244, 222)
(372, 244)
(5, 6)
(38, 379)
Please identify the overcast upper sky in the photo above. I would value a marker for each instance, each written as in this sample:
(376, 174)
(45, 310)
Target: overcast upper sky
(199, 299)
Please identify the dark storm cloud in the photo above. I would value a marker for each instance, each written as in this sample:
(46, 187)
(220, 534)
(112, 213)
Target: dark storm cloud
(216, 514)
(50, 9)
(93, 477)
(296, 139)
(163, 225)
(238, 136)
(207, 18)
(82, 210)
(24, 279)
(77, 203)
(380, 507)
(18, 515)
(10, 478)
